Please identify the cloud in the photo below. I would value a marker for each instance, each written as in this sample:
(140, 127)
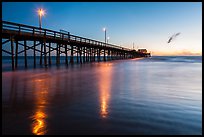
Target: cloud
(187, 52)
(177, 53)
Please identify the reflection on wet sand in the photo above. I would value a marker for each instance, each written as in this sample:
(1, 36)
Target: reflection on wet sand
(105, 88)
(39, 126)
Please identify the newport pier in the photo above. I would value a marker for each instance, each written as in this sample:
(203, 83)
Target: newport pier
(48, 42)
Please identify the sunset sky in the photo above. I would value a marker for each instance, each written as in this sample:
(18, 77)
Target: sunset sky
(146, 24)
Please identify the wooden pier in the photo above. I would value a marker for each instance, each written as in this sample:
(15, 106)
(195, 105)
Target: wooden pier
(47, 41)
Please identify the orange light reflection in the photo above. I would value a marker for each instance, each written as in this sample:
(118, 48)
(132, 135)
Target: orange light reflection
(104, 88)
(39, 126)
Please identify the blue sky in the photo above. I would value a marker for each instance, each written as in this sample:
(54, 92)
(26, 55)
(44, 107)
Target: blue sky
(147, 24)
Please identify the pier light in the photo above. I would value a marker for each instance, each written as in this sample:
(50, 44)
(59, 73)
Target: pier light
(41, 12)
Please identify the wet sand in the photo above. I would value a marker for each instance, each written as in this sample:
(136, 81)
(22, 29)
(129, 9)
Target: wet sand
(117, 97)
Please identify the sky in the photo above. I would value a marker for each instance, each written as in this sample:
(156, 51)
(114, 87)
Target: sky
(146, 24)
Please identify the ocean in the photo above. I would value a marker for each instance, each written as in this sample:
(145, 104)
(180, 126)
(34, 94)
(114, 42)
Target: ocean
(160, 95)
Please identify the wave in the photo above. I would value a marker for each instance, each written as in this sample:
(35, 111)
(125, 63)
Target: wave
(190, 59)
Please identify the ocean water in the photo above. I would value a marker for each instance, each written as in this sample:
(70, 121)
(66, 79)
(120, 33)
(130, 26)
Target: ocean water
(147, 96)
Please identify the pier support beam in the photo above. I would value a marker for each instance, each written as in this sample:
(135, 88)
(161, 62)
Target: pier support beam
(104, 55)
(66, 57)
(80, 59)
(49, 53)
(94, 54)
(109, 55)
(12, 53)
(99, 55)
(84, 54)
(57, 48)
(58, 54)
(77, 50)
(25, 53)
(71, 57)
(91, 55)
(45, 54)
(41, 53)
(16, 62)
(87, 54)
(34, 44)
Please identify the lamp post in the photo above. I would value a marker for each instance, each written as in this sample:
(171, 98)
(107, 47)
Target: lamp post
(133, 46)
(104, 29)
(41, 13)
